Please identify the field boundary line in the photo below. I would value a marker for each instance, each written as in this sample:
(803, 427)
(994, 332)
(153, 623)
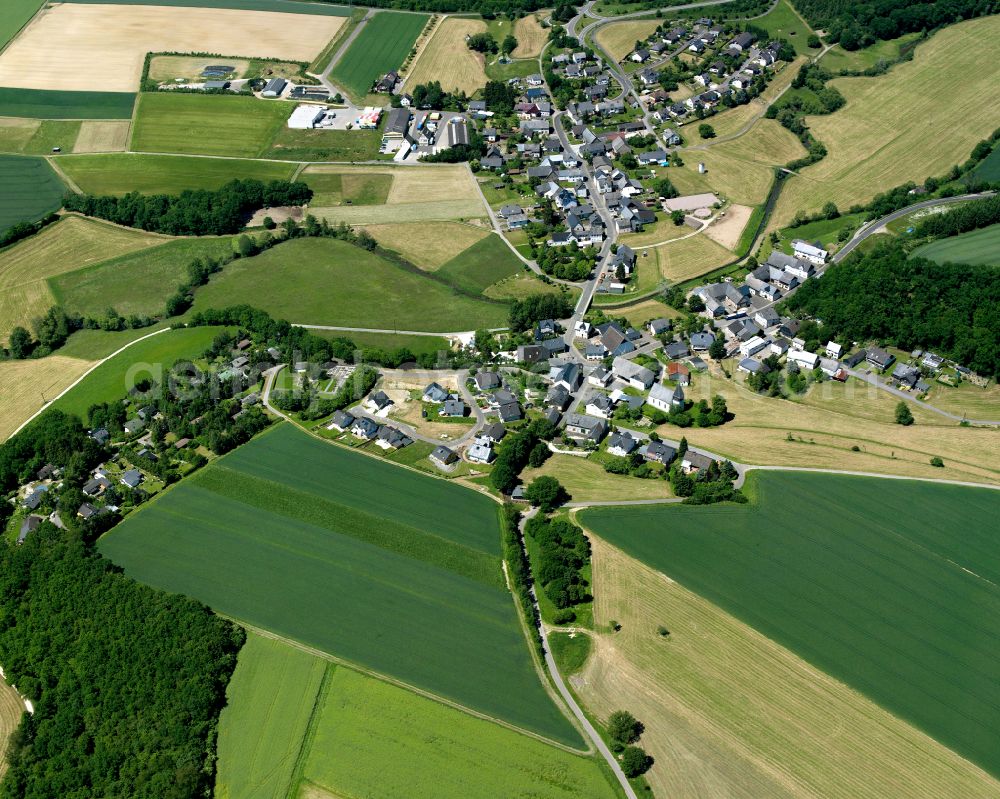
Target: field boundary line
(43, 6)
(305, 744)
(348, 664)
(76, 382)
(70, 183)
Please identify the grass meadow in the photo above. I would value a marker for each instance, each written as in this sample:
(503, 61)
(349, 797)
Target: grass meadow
(31, 189)
(418, 345)
(16, 14)
(373, 564)
(783, 22)
(206, 124)
(989, 169)
(975, 247)
(269, 702)
(120, 173)
(137, 282)
(47, 104)
(888, 586)
(288, 6)
(372, 738)
(147, 359)
(869, 151)
(383, 43)
(348, 188)
(619, 38)
(71, 243)
(480, 266)
(330, 282)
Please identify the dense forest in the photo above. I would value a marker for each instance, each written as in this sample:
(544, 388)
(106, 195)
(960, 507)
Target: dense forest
(909, 302)
(859, 23)
(194, 212)
(127, 681)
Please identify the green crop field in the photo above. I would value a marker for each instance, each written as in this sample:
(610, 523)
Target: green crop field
(29, 189)
(975, 247)
(418, 345)
(288, 6)
(146, 359)
(480, 266)
(381, 46)
(269, 701)
(375, 739)
(989, 168)
(206, 124)
(120, 173)
(16, 14)
(375, 564)
(46, 104)
(136, 283)
(330, 282)
(891, 586)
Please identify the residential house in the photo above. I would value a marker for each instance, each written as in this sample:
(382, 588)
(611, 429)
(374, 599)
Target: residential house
(809, 252)
(879, 358)
(679, 373)
(435, 393)
(132, 478)
(640, 56)
(676, 349)
(29, 525)
(621, 444)
(600, 405)
(752, 366)
(493, 433)
(586, 428)
(569, 375)
(694, 462)
(600, 377)
(531, 353)
(452, 409)
(486, 381)
(481, 451)
(632, 373)
(341, 421)
(558, 397)
(834, 350)
(741, 42)
(658, 452)
(379, 401)
(659, 327)
(803, 358)
(443, 456)
(701, 342)
(389, 437)
(364, 428)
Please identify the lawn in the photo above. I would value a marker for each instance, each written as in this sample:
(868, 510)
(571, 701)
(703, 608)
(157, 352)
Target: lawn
(729, 712)
(687, 258)
(377, 565)
(418, 345)
(825, 231)
(45, 104)
(478, 267)
(331, 282)
(31, 189)
(71, 243)
(586, 481)
(372, 738)
(136, 283)
(120, 173)
(874, 142)
(976, 247)
(269, 702)
(149, 359)
(324, 145)
(206, 124)
(383, 43)
(889, 586)
(728, 122)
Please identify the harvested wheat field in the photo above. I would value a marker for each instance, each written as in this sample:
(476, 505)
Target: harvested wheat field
(730, 713)
(727, 230)
(103, 136)
(830, 420)
(428, 245)
(530, 35)
(103, 46)
(11, 710)
(618, 38)
(687, 258)
(446, 58)
(26, 385)
(72, 243)
(880, 138)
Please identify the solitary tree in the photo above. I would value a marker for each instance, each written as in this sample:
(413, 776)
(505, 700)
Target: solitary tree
(903, 414)
(624, 727)
(717, 350)
(509, 44)
(706, 131)
(546, 493)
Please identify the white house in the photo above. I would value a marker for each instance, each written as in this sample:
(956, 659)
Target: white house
(481, 451)
(806, 360)
(753, 346)
(809, 252)
(834, 350)
(666, 398)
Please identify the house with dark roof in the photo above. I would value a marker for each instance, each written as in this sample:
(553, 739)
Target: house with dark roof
(443, 456)
(586, 428)
(435, 393)
(621, 444)
(132, 478)
(658, 452)
(879, 358)
(364, 428)
(389, 437)
(341, 421)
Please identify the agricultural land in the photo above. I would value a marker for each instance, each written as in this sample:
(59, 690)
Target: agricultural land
(446, 58)
(113, 42)
(381, 46)
(30, 189)
(416, 569)
(908, 631)
(977, 247)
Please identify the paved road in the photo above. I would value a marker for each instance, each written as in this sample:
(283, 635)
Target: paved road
(873, 379)
(550, 664)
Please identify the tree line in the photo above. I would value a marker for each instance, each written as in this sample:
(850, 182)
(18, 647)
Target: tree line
(883, 296)
(127, 681)
(563, 553)
(195, 212)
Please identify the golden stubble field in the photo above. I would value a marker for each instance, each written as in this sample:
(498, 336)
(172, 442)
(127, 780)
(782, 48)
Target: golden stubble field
(914, 122)
(11, 710)
(27, 385)
(619, 38)
(76, 47)
(447, 59)
(730, 713)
